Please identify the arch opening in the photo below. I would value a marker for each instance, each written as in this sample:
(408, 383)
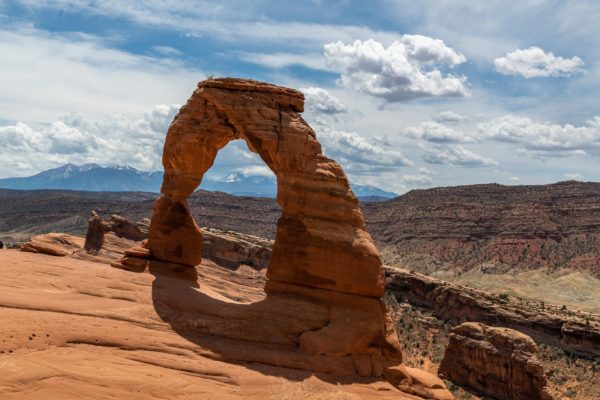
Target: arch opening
(323, 258)
(321, 239)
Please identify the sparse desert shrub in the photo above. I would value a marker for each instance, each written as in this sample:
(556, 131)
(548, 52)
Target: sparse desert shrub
(571, 393)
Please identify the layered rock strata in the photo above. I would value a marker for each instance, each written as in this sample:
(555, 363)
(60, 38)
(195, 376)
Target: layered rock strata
(323, 259)
(459, 304)
(120, 226)
(497, 362)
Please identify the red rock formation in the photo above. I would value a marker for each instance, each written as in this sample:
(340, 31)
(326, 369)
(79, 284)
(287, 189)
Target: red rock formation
(321, 223)
(459, 304)
(122, 228)
(323, 258)
(53, 244)
(498, 362)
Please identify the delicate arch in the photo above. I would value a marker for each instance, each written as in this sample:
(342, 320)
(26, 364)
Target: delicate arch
(321, 239)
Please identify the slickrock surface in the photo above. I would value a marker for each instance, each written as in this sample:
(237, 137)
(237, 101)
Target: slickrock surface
(325, 278)
(578, 333)
(75, 329)
(54, 244)
(498, 362)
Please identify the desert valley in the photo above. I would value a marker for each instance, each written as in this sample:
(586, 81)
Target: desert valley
(290, 200)
(523, 259)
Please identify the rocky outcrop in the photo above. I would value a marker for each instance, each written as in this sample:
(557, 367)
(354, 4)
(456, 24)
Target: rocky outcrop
(493, 227)
(325, 278)
(53, 244)
(120, 226)
(321, 221)
(497, 362)
(459, 304)
(232, 249)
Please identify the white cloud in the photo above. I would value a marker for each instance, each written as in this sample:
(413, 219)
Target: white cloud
(574, 176)
(544, 139)
(449, 117)
(416, 180)
(281, 60)
(535, 62)
(123, 139)
(403, 71)
(356, 154)
(320, 101)
(515, 179)
(45, 76)
(223, 20)
(253, 170)
(456, 155)
(437, 133)
(426, 171)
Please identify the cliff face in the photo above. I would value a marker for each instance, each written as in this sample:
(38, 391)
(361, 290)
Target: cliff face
(498, 362)
(577, 333)
(492, 227)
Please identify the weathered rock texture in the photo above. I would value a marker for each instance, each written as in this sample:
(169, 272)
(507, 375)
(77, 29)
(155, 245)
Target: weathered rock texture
(122, 227)
(53, 244)
(321, 239)
(325, 278)
(75, 329)
(579, 334)
(232, 249)
(490, 227)
(498, 362)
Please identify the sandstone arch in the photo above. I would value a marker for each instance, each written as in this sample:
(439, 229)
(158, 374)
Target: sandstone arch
(321, 239)
(324, 310)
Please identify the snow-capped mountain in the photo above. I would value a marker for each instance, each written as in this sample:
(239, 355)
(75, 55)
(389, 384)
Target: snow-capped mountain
(118, 178)
(91, 177)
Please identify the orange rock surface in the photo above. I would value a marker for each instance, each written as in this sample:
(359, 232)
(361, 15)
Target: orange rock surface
(75, 329)
(498, 362)
(321, 239)
(325, 278)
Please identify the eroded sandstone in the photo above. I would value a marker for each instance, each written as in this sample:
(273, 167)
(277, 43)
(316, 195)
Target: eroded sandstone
(325, 277)
(499, 362)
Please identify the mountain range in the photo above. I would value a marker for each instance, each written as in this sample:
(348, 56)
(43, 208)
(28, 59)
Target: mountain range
(117, 178)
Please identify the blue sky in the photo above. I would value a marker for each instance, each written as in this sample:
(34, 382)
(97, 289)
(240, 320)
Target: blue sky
(403, 94)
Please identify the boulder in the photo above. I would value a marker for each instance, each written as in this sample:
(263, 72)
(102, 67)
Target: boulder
(120, 226)
(498, 362)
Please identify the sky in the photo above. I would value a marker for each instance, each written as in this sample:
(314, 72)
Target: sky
(403, 94)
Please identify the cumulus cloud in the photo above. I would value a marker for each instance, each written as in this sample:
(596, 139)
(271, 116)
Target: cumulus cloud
(535, 62)
(456, 155)
(124, 139)
(449, 117)
(416, 180)
(515, 179)
(544, 139)
(261, 170)
(407, 69)
(437, 133)
(320, 101)
(422, 178)
(574, 176)
(81, 73)
(355, 153)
